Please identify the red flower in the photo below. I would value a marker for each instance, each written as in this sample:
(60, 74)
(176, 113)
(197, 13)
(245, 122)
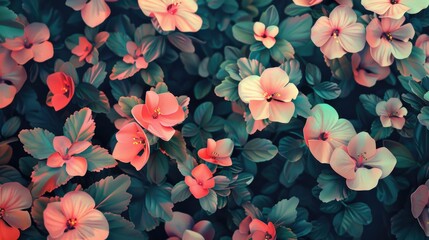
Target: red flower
(217, 152)
(201, 181)
(61, 88)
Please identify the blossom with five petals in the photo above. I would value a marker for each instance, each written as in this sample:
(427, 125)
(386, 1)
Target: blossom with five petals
(391, 113)
(395, 8)
(420, 206)
(201, 181)
(264, 34)
(217, 152)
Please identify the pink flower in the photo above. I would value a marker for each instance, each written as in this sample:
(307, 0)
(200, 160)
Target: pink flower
(324, 131)
(366, 71)
(33, 44)
(338, 34)
(159, 114)
(243, 231)
(266, 35)
(173, 13)
(201, 181)
(420, 206)
(12, 78)
(85, 50)
(269, 95)
(217, 152)
(422, 42)
(133, 146)
(61, 87)
(75, 217)
(13, 199)
(309, 3)
(262, 231)
(395, 8)
(361, 164)
(389, 39)
(182, 224)
(65, 151)
(135, 56)
(391, 113)
(94, 12)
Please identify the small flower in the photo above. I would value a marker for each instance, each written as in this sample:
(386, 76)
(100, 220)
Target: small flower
(201, 181)
(33, 44)
(135, 56)
(419, 206)
(12, 78)
(13, 199)
(395, 8)
(309, 3)
(338, 34)
(366, 71)
(65, 154)
(262, 231)
(361, 164)
(243, 231)
(132, 146)
(61, 87)
(324, 131)
(159, 114)
(75, 217)
(217, 152)
(269, 95)
(173, 13)
(422, 42)
(182, 224)
(389, 39)
(94, 12)
(391, 113)
(266, 35)
(88, 51)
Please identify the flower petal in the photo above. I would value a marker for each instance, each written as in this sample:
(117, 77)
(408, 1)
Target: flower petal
(342, 16)
(93, 225)
(281, 111)
(360, 144)
(419, 199)
(382, 54)
(43, 51)
(224, 147)
(37, 33)
(7, 94)
(352, 38)
(78, 147)
(332, 49)
(383, 160)
(76, 204)
(55, 160)
(18, 219)
(188, 22)
(260, 109)
(205, 228)
(22, 56)
(321, 32)
(273, 79)
(259, 28)
(343, 164)
(191, 235)
(62, 144)
(7, 232)
(321, 150)
(250, 89)
(201, 173)
(14, 196)
(95, 12)
(54, 219)
(76, 166)
(178, 224)
(366, 179)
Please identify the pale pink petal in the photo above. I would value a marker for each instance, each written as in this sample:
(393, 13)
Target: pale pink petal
(401, 50)
(307, 3)
(366, 179)
(321, 32)
(360, 144)
(78, 147)
(76, 166)
(250, 89)
(101, 38)
(419, 199)
(341, 133)
(7, 232)
(374, 33)
(211, 145)
(383, 160)
(381, 108)
(341, 17)
(377, 6)
(95, 12)
(269, 42)
(273, 79)
(93, 225)
(352, 38)
(396, 11)
(312, 129)
(259, 28)
(43, 51)
(18, 219)
(166, 21)
(55, 160)
(77, 5)
(191, 235)
(385, 121)
(404, 33)
(260, 109)
(343, 164)
(76, 204)
(398, 122)
(272, 31)
(188, 22)
(382, 54)
(287, 93)
(153, 6)
(178, 224)
(390, 25)
(62, 144)
(332, 49)
(151, 100)
(37, 33)
(14, 196)
(321, 150)
(54, 219)
(7, 94)
(224, 147)
(281, 111)
(205, 228)
(22, 56)
(424, 222)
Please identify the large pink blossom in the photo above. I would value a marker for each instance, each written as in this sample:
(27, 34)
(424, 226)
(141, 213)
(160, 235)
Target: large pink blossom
(395, 8)
(389, 39)
(309, 3)
(12, 78)
(338, 34)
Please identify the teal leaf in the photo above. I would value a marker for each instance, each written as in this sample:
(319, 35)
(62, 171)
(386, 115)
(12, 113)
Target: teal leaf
(203, 113)
(96, 74)
(98, 158)
(312, 74)
(293, 70)
(327, 90)
(120, 228)
(26, 165)
(153, 74)
(291, 149)
(378, 131)
(215, 124)
(404, 158)
(369, 102)
(157, 167)
(186, 165)
(121, 71)
(342, 70)
(302, 106)
(282, 51)
(296, 30)
(259, 150)
(270, 17)
(295, 10)
(249, 67)
(10, 174)
(190, 130)
(80, 126)
(9, 26)
(127, 103)
(235, 128)
(141, 217)
(37, 142)
(228, 89)
(39, 205)
(423, 116)
(10, 127)
(158, 202)
(181, 41)
(202, 88)
(45, 179)
(333, 187)
(110, 194)
(209, 202)
(405, 227)
(243, 32)
(284, 212)
(117, 43)
(180, 192)
(153, 47)
(387, 190)
(352, 218)
(413, 65)
(175, 148)
(291, 171)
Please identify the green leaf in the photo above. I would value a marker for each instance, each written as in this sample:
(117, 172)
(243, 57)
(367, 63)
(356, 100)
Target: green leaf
(291, 171)
(403, 156)
(228, 89)
(235, 127)
(284, 212)
(26, 165)
(215, 4)
(5, 154)
(153, 74)
(413, 65)
(158, 202)
(190, 130)
(10, 174)
(352, 218)
(282, 51)
(248, 67)
(127, 103)
(296, 30)
(270, 17)
(123, 70)
(291, 149)
(181, 41)
(333, 187)
(10, 127)
(175, 148)
(369, 102)
(293, 70)
(157, 167)
(80, 126)
(405, 227)
(45, 179)
(302, 106)
(423, 116)
(39, 205)
(95, 75)
(209, 202)
(9, 26)
(312, 74)
(180, 192)
(295, 10)
(141, 217)
(37, 142)
(378, 131)
(327, 90)
(387, 190)
(120, 228)
(202, 88)
(243, 32)
(259, 150)
(110, 194)
(98, 158)
(203, 113)
(117, 43)
(153, 47)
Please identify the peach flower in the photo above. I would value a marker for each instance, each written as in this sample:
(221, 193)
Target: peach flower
(262, 231)
(201, 181)
(33, 44)
(65, 151)
(132, 146)
(338, 34)
(361, 164)
(391, 113)
(94, 12)
(172, 14)
(395, 8)
(61, 87)
(420, 206)
(389, 39)
(366, 71)
(324, 131)
(217, 152)
(135, 56)
(12, 78)
(13, 199)
(243, 231)
(159, 114)
(269, 95)
(75, 217)
(309, 3)
(85, 50)
(182, 225)
(422, 42)
(264, 34)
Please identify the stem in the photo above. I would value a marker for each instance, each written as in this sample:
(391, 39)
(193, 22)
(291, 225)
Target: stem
(10, 140)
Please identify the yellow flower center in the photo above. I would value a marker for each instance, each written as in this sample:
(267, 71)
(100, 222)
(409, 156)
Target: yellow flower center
(156, 113)
(71, 223)
(138, 140)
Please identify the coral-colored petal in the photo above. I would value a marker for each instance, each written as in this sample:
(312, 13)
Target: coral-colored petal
(272, 31)
(101, 38)
(22, 56)
(343, 164)
(140, 161)
(211, 145)
(383, 160)
(398, 122)
(209, 183)
(14, 44)
(54, 219)
(250, 89)
(152, 100)
(201, 173)
(188, 22)
(60, 101)
(55, 82)
(95, 12)
(93, 225)
(141, 63)
(55, 160)
(419, 199)
(7, 94)
(166, 21)
(125, 152)
(78, 147)
(165, 133)
(7, 232)
(76, 204)
(360, 144)
(424, 223)
(259, 28)
(260, 109)
(321, 150)
(37, 32)
(43, 51)
(257, 225)
(18, 219)
(76, 166)
(178, 224)
(167, 103)
(281, 111)
(137, 111)
(269, 42)
(62, 144)
(14, 196)
(198, 191)
(366, 179)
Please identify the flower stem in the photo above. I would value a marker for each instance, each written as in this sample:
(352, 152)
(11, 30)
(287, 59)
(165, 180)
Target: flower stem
(10, 140)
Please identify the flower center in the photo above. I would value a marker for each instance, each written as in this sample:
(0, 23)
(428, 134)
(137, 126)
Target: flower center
(270, 97)
(324, 136)
(394, 1)
(268, 236)
(138, 140)
(335, 34)
(27, 44)
(6, 82)
(361, 158)
(200, 183)
(173, 7)
(156, 113)
(71, 223)
(2, 213)
(388, 36)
